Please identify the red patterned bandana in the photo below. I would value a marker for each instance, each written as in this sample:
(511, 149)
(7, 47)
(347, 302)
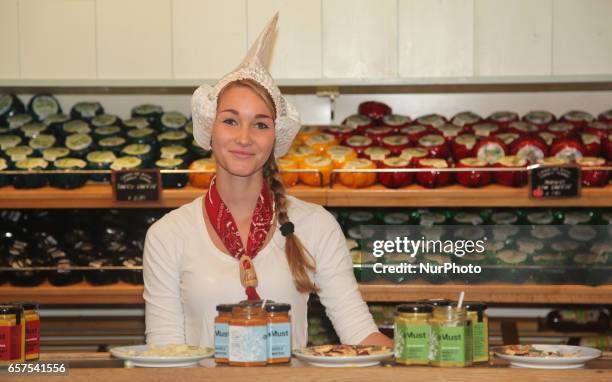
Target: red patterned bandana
(225, 226)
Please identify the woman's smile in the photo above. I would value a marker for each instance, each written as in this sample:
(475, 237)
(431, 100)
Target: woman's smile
(242, 154)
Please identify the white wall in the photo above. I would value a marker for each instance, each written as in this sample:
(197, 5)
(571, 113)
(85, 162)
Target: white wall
(334, 39)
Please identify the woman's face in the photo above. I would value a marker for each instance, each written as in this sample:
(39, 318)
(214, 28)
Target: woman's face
(243, 132)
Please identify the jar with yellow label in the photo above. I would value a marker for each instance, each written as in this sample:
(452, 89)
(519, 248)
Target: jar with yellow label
(451, 337)
(412, 334)
(12, 334)
(31, 325)
(476, 313)
(248, 336)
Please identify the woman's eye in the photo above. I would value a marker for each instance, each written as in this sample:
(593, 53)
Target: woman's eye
(230, 121)
(261, 125)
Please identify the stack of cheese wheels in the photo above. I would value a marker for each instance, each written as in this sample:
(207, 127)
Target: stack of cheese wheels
(322, 164)
(285, 166)
(320, 143)
(340, 155)
(202, 179)
(358, 179)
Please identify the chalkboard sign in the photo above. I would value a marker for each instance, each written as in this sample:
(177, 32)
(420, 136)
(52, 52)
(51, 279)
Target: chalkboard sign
(136, 185)
(555, 182)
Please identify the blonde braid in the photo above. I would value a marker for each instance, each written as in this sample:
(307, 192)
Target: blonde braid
(299, 260)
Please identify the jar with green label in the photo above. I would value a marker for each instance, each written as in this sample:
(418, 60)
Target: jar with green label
(68, 180)
(413, 334)
(476, 313)
(436, 302)
(451, 337)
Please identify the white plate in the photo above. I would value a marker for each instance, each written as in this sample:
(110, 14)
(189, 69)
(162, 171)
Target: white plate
(157, 361)
(353, 361)
(583, 354)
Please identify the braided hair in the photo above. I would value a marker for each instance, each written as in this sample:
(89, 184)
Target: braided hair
(299, 260)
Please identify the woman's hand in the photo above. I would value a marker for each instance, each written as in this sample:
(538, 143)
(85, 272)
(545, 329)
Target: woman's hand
(379, 339)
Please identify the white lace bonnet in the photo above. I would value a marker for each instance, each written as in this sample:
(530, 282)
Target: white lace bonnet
(253, 66)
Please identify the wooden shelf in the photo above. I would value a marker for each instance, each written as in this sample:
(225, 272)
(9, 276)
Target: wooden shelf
(78, 294)
(495, 293)
(122, 293)
(100, 196)
(458, 196)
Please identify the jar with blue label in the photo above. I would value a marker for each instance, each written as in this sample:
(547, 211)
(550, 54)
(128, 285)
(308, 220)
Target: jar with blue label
(248, 336)
(222, 332)
(279, 333)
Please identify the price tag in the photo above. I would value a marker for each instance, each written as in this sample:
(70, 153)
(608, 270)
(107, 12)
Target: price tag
(136, 185)
(554, 182)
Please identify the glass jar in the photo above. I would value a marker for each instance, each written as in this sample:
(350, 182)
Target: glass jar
(31, 320)
(476, 313)
(248, 331)
(436, 302)
(12, 334)
(412, 334)
(451, 334)
(222, 332)
(279, 333)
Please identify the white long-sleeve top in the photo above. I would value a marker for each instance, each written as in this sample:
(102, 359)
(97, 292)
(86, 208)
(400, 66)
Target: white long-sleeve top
(186, 276)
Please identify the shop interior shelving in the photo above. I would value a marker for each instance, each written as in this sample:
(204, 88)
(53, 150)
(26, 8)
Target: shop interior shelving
(100, 196)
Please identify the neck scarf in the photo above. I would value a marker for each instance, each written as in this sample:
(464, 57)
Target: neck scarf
(225, 226)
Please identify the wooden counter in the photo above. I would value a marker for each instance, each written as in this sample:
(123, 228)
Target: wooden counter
(99, 367)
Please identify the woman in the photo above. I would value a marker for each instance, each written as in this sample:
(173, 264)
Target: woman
(246, 237)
